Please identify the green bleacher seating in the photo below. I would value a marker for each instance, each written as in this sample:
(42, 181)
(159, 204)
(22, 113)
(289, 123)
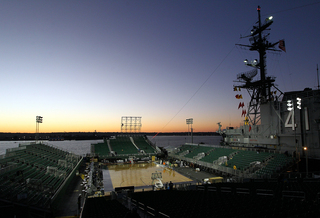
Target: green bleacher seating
(142, 144)
(101, 149)
(123, 145)
(25, 172)
(216, 153)
(197, 150)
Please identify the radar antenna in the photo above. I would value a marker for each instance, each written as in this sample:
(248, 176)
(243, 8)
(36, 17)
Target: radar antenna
(247, 76)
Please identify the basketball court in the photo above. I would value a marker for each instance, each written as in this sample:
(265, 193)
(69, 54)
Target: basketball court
(139, 175)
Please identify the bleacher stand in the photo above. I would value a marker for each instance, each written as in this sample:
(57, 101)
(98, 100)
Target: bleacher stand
(255, 164)
(123, 145)
(34, 174)
(142, 144)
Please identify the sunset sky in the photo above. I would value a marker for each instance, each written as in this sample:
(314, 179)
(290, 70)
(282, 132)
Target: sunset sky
(82, 65)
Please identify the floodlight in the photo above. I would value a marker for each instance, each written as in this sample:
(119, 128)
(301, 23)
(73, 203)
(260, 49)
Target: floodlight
(299, 103)
(255, 62)
(289, 105)
(39, 119)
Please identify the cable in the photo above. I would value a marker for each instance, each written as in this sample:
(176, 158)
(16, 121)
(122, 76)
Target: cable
(220, 65)
(302, 6)
(196, 90)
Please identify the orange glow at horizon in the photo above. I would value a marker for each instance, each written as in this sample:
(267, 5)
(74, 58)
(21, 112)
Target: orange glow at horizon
(91, 125)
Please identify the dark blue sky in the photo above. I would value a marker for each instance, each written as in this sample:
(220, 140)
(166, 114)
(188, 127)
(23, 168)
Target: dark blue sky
(84, 64)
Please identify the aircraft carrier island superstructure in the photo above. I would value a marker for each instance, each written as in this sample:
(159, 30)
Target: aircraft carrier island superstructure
(274, 120)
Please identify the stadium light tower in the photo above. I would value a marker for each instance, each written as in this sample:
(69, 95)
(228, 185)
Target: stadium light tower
(130, 124)
(189, 121)
(38, 121)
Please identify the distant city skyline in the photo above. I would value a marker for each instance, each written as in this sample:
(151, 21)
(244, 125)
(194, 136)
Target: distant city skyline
(83, 65)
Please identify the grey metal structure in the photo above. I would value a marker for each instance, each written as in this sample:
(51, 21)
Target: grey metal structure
(285, 122)
(188, 122)
(263, 90)
(130, 124)
(38, 121)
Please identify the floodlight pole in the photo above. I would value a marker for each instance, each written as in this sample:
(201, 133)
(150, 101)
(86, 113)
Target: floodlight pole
(190, 121)
(38, 121)
(191, 134)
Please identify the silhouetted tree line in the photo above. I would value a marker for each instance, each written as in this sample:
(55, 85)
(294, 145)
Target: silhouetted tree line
(87, 135)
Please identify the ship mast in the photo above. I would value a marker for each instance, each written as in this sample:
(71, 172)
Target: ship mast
(262, 55)
(259, 90)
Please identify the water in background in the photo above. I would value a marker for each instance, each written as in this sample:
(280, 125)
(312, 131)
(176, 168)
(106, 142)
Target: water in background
(83, 147)
(170, 142)
(76, 147)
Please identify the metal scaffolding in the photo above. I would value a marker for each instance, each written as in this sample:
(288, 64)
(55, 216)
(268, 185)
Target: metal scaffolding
(131, 124)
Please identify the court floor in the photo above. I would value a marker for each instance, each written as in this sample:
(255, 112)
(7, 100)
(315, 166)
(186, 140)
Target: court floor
(138, 175)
